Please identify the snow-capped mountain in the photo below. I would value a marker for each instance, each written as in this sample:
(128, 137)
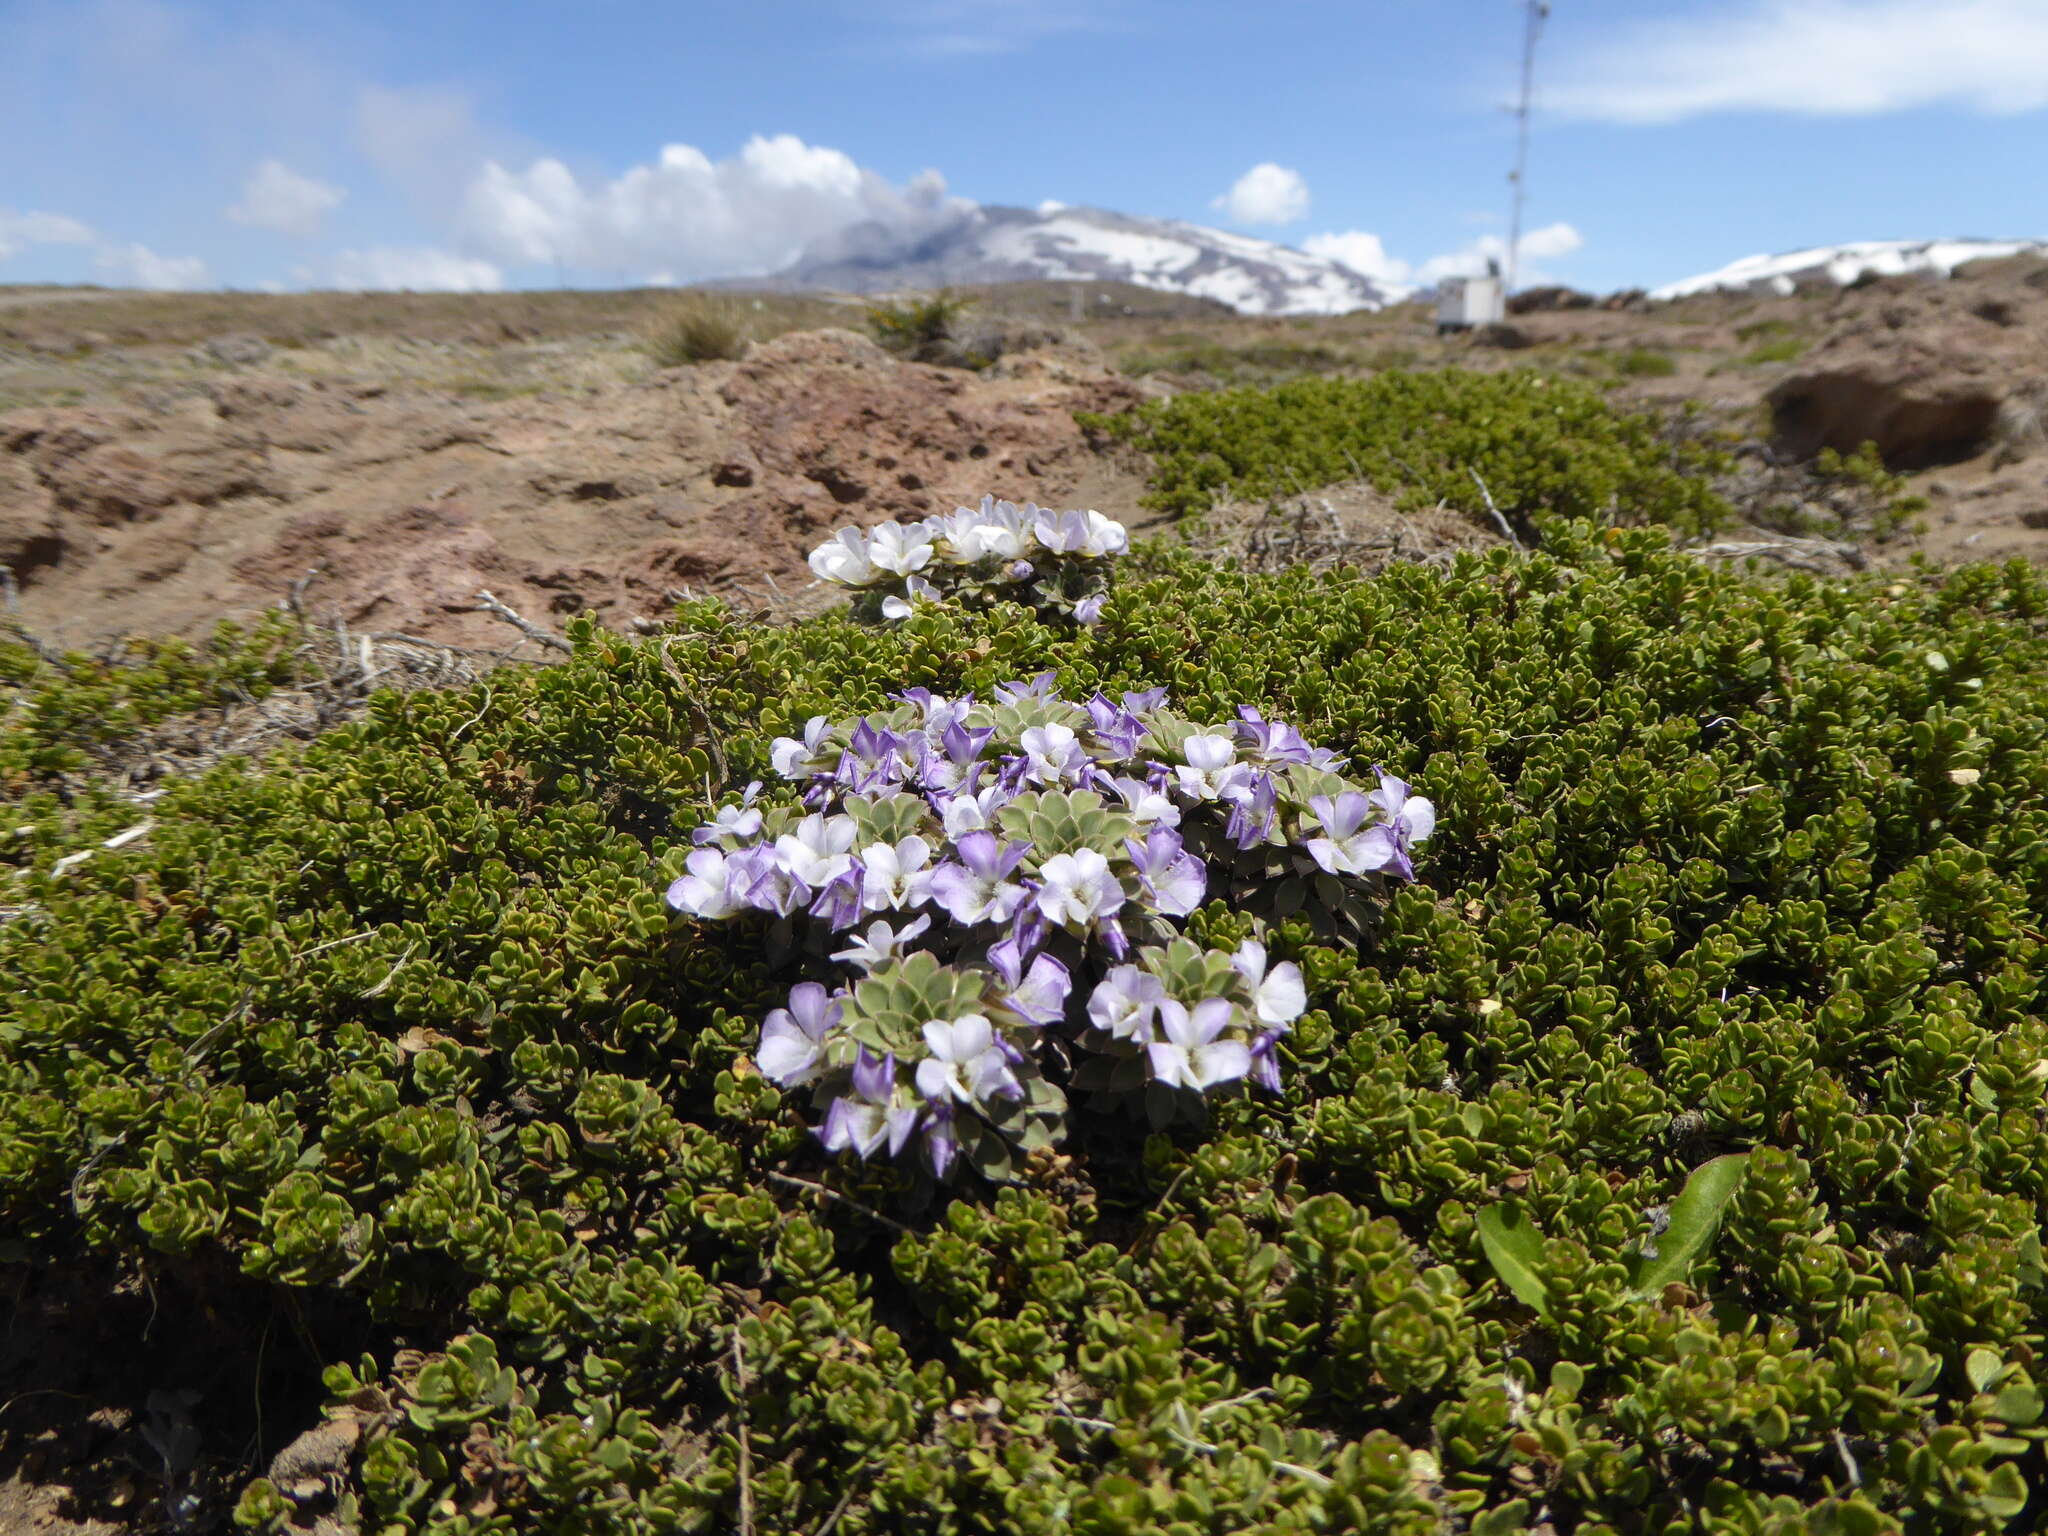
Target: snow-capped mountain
(1843, 264)
(1057, 243)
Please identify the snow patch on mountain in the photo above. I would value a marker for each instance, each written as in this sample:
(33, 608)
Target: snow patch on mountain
(1843, 264)
(1060, 243)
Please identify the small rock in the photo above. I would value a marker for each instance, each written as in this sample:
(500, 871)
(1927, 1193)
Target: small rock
(237, 351)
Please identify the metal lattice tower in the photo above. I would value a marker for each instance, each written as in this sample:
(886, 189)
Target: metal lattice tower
(1538, 13)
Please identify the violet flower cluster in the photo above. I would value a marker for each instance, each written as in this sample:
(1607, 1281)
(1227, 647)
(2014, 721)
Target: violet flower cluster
(1003, 887)
(1055, 562)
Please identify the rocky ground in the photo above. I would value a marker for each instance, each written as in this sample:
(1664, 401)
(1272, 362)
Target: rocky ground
(168, 459)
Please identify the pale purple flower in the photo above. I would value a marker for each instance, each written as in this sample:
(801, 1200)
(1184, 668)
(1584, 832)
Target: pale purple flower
(1254, 809)
(1174, 878)
(1265, 1066)
(845, 558)
(956, 753)
(796, 758)
(1354, 842)
(1053, 754)
(1039, 995)
(861, 1121)
(1210, 767)
(1278, 996)
(894, 874)
(1148, 804)
(756, 877)
(1270, 741)
(1077, 888)
(706, 891)
(1117, 729)
(1040, 687)
(977, 888)
(1088, 611)
(899, 550)
(876, 757)
(941, 1137)
(1020, 570)
(1085, 533)
(1144, 700)
(965, 1063)
(819, 851)
(1192, 1054)
(1412, 817)
(963, 813)
(792, 1049)
(1125, 1002)
(732, 825)
(881, 943)
(838, 905)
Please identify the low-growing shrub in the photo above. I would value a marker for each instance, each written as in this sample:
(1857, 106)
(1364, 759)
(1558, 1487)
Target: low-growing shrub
(918, 326)
(1540, 444)
(1727, 867)
(1646, 363)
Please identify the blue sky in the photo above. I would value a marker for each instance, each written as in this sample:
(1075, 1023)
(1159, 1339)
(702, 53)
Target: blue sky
(463, 143)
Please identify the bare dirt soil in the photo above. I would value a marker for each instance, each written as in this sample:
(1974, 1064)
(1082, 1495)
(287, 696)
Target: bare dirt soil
(169, 459)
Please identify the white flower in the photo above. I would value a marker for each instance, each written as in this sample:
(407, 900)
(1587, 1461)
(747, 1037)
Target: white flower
(792, 1050)
(1351, 846)
(1005, 531)
(798, 759)
(1149, 807)
(965, 1062)
(1211, 770)
(818, 852)
(1278, 996)
(973, 813)
(703, 891)
(1077, 888)
(880, 944)
(961, 535)
(1085, 533)
(894, 875)
(1191, 1055)
(732, 825)
(1052, 754)
(917, 590)
(900, 550)
(844, 558)
(1124, 1003)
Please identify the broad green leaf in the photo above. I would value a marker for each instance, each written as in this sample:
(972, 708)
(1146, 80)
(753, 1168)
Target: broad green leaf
(1515, 1250)
(1694, 1216)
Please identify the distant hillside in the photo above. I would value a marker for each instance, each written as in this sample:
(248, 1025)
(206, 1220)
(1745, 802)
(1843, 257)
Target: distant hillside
(1057, 243)
(1840, 264)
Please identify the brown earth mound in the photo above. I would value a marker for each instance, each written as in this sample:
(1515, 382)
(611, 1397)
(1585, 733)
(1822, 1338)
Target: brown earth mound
(215, 498)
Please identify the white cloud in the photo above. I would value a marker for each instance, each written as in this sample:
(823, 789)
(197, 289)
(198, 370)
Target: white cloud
(137, 266)
(1367, 254)
(278, 198)
(1817, 58)
(415, 268)
(1362, 253)
(695, 218)
(18, 231)
(1265, 194)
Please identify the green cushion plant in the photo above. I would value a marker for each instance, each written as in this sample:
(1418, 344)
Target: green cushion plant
(1728, 867)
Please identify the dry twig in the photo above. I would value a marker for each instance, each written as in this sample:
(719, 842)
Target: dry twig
(488, 603)
(1507, 532)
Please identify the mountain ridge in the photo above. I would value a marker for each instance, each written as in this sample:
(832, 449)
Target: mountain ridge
(997, 244)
